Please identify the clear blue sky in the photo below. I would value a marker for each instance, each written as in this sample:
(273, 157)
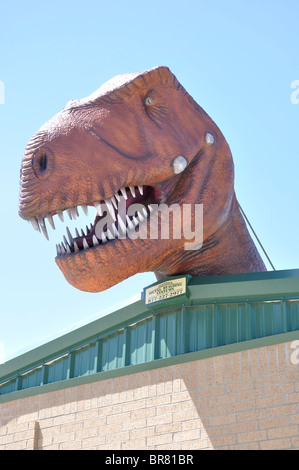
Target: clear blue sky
(236, 58)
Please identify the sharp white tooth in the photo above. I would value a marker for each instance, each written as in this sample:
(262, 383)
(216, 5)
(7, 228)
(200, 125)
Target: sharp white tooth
(70, 236)
(85, 244)
(140, 190)
(110, 208)
(124, 193)
(76, 246)
(117, 196)
(104, 239)
(98, 207)
(140, 217)
(132, 189)
(77, 233)
(63, 249)
(121, 224)
(60, 215)
(35, 223)
(50, 220)
(95, 241)
(109, 235)
(144, 212)
(135, 221)
(113, 200)
(43, 227)
(115, 231)
(69, 212)
(129, 222)
(150, 208)
(68, 249)
(74, 212)
(85, 209)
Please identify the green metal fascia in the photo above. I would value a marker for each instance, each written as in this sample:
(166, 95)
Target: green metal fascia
(215, 289)
(156, 364)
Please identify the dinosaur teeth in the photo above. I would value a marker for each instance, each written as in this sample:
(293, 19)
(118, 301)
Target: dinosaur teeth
(119, 227)
(110, 208)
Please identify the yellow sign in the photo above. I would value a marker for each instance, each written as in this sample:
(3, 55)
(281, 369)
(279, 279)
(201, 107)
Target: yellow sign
(165, 290)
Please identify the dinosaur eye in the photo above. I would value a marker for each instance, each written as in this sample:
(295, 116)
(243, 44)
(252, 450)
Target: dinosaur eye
(148, 101)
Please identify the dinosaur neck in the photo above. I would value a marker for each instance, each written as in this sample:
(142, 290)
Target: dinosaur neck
(229, 250)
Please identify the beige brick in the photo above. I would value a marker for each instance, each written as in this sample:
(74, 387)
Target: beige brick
(241, 406)
(143, 413)
(237, 428)
(133, 424)
(191, 424)
(246, 400)
(185, 415)
(196, 444)
(270, 401)
(251, 446)
(159, 419)
(58, 438)
(93, 442)
(117, 437)
(274, 422)
(252, 414)
(159, 440)
(210, 371)
(168, 428)
(212, 411)
(142, 433)
(224, 419)
(112, 419)
(139, 444)
(187, 435)
(293, 398)
(86, 433)
(249, 395)
(282, 410)
(270, 380)
(276, 444)
(284, 431)
(221, 441)
(280, 389)
(252, 436)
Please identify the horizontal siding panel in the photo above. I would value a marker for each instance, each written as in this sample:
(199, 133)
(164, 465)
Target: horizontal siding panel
(179, 330)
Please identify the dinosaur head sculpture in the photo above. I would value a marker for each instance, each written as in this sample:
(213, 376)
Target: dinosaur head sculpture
(139, 139)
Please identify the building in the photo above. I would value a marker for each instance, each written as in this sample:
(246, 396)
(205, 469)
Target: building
(205, 363)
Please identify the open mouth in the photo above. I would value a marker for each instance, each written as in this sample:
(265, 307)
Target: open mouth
(115, 218)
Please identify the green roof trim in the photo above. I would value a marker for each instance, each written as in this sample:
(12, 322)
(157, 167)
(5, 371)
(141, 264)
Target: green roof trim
(228, 312)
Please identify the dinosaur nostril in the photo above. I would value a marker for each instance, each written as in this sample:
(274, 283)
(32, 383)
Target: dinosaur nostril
(42, 162)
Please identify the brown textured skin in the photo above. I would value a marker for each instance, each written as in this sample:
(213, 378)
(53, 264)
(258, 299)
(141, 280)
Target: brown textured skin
(111, 140)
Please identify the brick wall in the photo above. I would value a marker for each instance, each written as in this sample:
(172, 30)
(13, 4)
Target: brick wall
(242, 400)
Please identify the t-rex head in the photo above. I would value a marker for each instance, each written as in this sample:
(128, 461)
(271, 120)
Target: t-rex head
(140, 138)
